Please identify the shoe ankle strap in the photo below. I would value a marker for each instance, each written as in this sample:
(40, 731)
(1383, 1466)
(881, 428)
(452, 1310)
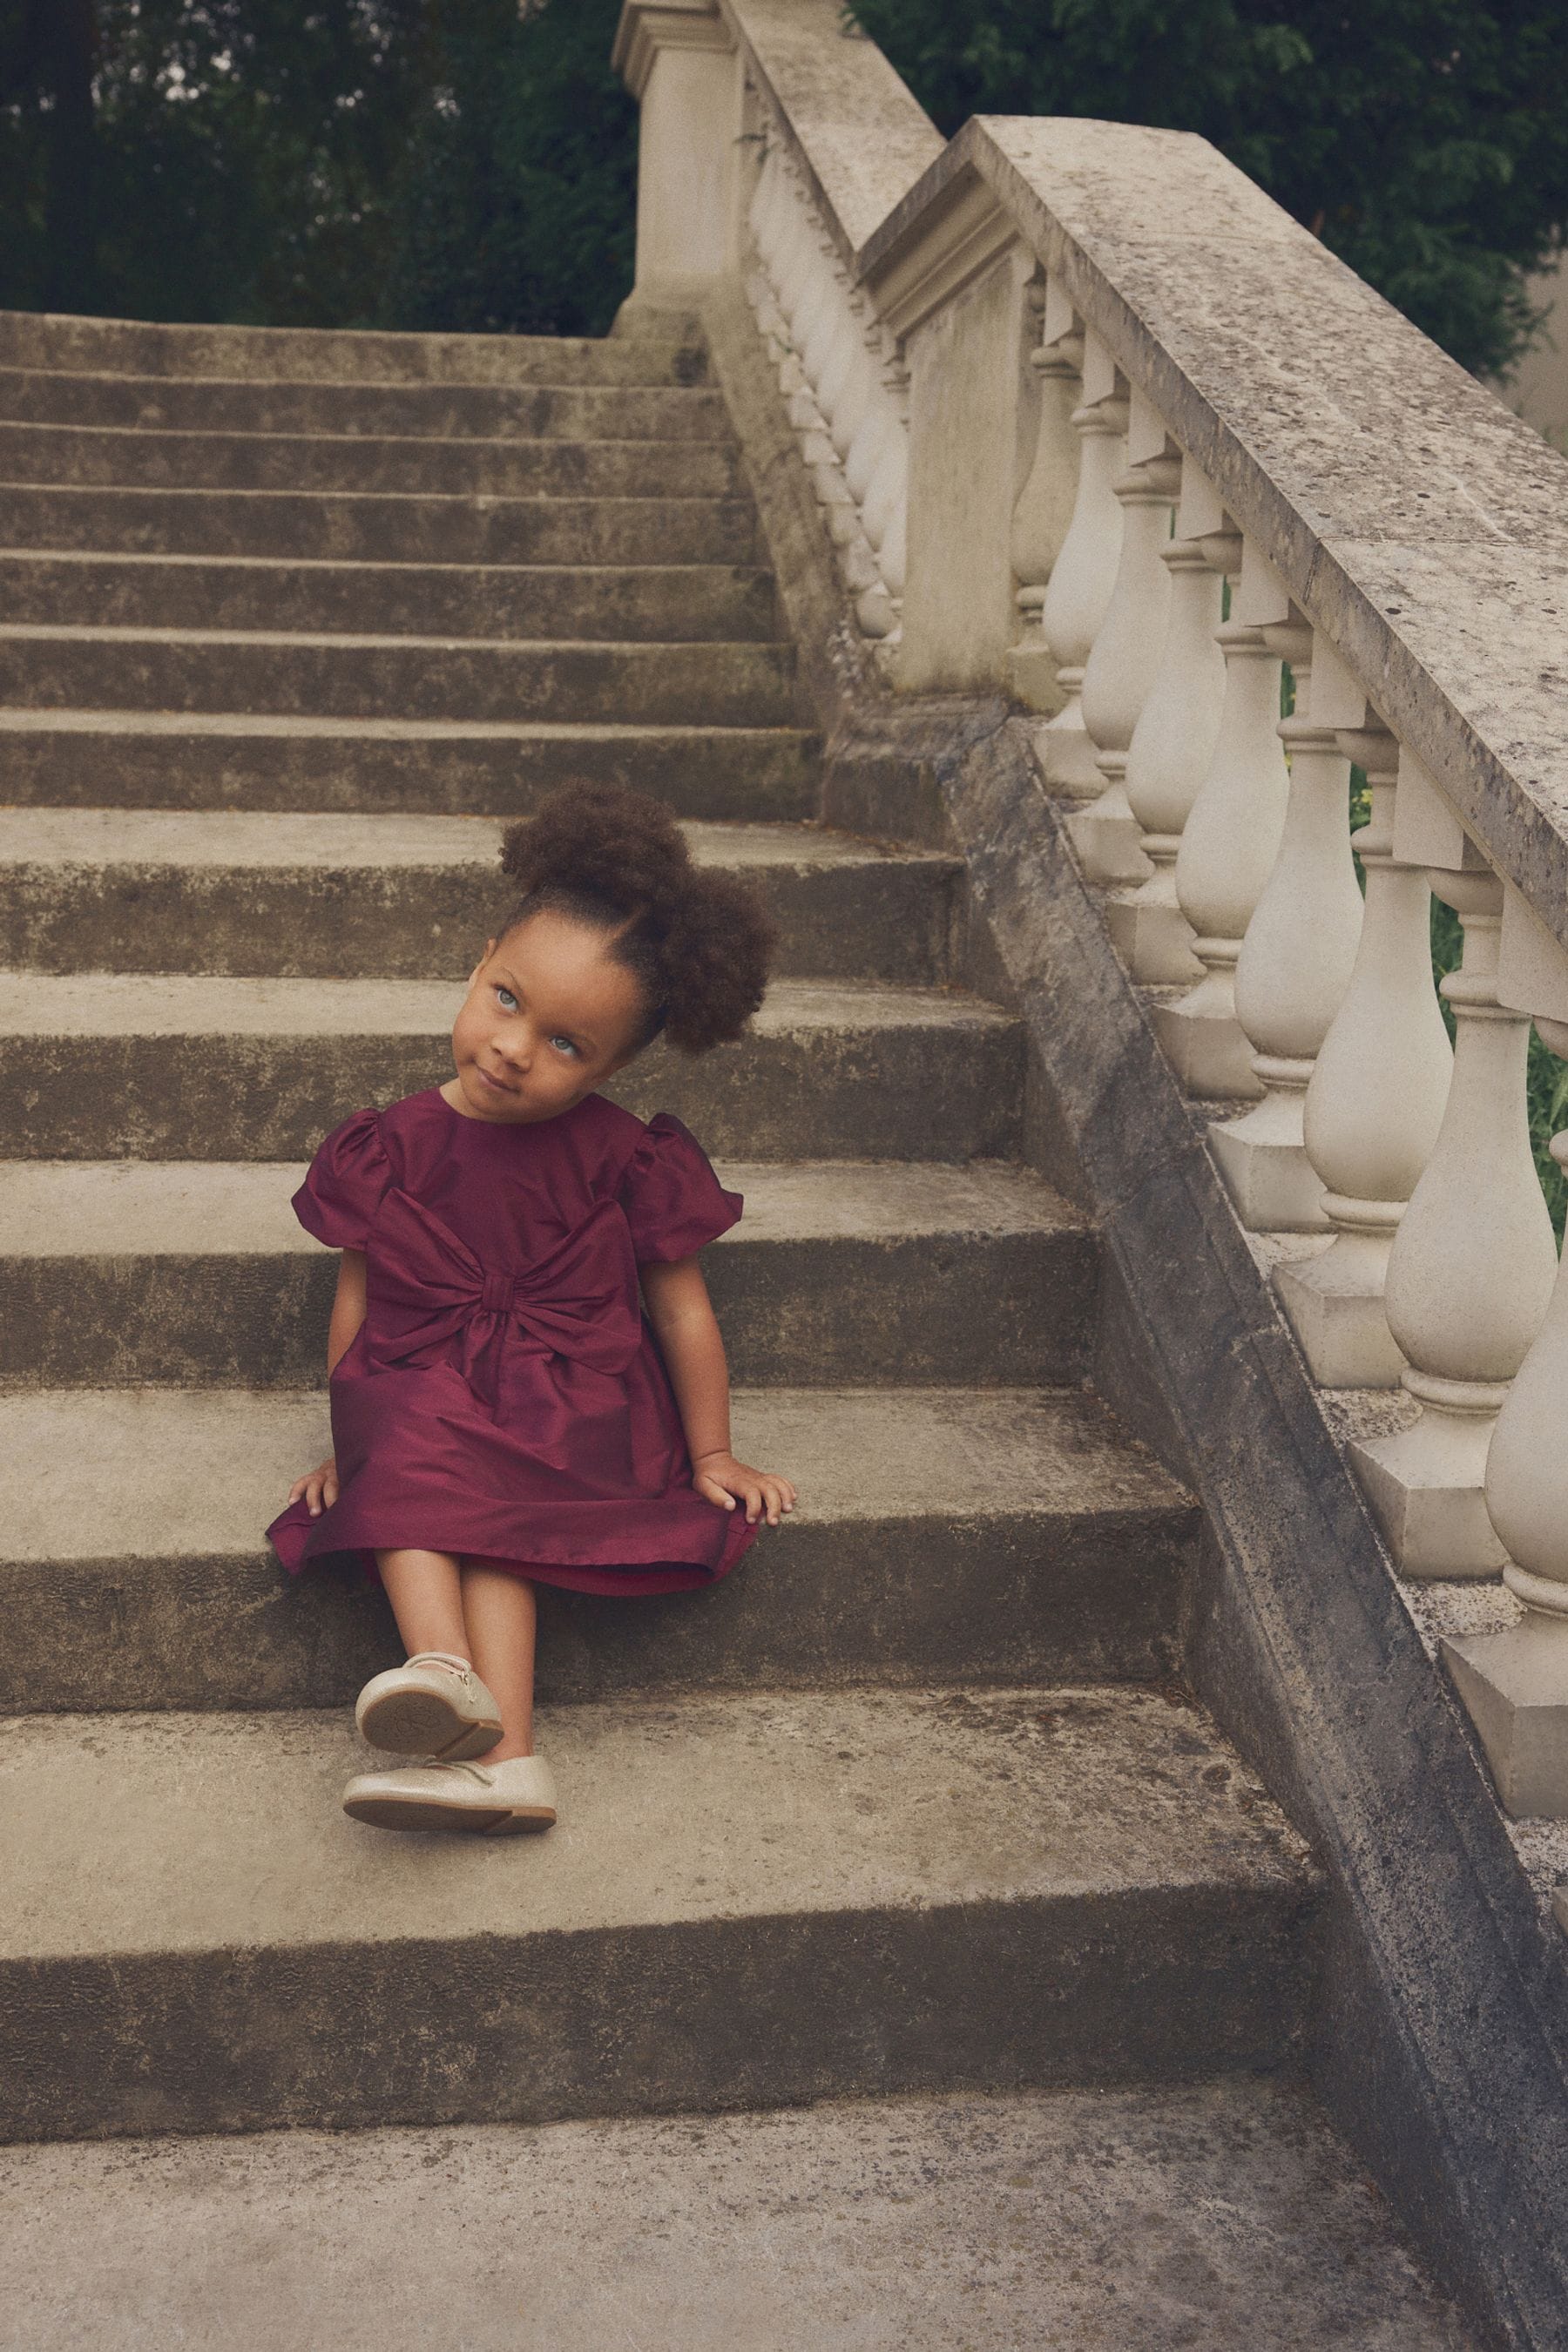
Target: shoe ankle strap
(441, 1658)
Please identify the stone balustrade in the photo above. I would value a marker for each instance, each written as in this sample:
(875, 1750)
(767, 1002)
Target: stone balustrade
(1094, 423)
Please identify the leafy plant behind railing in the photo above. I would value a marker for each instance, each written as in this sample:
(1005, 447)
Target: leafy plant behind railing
(1425, 140)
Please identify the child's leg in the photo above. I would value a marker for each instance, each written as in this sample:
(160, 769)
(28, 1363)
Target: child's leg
(499, 1611)
(425, 1590)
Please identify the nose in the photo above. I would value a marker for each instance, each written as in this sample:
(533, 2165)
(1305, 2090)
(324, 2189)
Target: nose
(511, 1044)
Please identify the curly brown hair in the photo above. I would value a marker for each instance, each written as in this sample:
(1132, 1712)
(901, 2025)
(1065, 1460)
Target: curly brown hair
(699, 942)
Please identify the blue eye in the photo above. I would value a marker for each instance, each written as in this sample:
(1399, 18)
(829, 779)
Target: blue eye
(565, 1043)
(505, 998)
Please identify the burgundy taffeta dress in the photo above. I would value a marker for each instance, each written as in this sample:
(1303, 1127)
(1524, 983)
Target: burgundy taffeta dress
(505, 1398)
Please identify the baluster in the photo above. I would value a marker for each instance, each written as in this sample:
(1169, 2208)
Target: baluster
(1173, 746)
(1126, 657)
(1083, 577)
(848, 383)
(1515, 1684)
(850, 434)
(1299, 949)
(884, 509)
(1380, 1084)
(1229, 845)
(1042, 515)
(1473, 1260)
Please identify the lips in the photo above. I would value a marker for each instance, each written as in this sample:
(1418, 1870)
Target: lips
(494, 1085)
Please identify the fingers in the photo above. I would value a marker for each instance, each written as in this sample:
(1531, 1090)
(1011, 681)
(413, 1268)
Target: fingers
(763, 1496)
(319, 1488)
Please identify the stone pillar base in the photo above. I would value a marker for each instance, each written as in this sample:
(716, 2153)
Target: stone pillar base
(1424, 1486)
(1109, 839)
(1154, 937)
(1208, 1050)
(1033, 681)
(1515, 1686)
(1335, 1308)
(1264, 1162)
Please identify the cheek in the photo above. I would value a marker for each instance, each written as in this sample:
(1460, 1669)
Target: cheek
(468, 1028)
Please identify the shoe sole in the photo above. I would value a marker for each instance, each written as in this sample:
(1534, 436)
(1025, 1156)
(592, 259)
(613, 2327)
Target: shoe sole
(429, 1813)
(422, 1722)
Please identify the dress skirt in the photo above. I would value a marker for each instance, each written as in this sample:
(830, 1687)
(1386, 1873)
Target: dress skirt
(505, 1399)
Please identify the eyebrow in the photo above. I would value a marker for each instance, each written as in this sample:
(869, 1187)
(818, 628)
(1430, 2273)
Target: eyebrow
(501, 976)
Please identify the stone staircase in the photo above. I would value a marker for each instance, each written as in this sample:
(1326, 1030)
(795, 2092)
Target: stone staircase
(912, 1808)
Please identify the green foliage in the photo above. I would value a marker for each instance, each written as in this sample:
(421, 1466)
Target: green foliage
(1546, 1078)
(324, 162)
(1425, 140)
(240, 162)
(518, 206)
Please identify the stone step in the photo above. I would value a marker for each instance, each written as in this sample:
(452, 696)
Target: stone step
(102, 456)
(204, 760)
(123, 1271)
(416, 678)
(750, 1900)
(584, 412)
(407, 897)
(670, 352)
(942, 1535)
(157, 1069)
(1222, 2213)
(380, 528)
(618, 602)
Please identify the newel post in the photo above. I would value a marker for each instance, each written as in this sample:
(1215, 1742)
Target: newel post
(678, 61)
(975, 411)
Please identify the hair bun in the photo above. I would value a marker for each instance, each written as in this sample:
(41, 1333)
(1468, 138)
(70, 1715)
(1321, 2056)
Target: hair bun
(601, 841)
(699, 941)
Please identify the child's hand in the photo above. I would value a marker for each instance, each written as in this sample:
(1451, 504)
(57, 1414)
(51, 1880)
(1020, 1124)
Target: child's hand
(319, 1486)
(719, 1479)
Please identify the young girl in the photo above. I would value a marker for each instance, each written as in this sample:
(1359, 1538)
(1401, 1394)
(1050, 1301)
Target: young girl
(502, 1414)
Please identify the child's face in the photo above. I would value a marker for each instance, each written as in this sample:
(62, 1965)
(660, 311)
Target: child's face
(548, 1017)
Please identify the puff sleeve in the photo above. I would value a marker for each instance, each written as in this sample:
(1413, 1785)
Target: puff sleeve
(673, 1201)
(345, 1184)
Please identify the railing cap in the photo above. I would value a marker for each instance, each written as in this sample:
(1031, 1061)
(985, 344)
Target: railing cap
(861, 132)
(1418, 523)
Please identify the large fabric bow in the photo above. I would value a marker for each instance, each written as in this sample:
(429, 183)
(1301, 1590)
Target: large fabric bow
(424, 1287)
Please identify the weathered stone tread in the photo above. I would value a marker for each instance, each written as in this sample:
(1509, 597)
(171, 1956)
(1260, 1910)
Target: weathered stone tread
(1221, 2214)
(695, 602)
(47, 1004)
(155, 404)
(130, 1208)
(942, 1533)
(161, 1473)
(387, 526)
(222, 838)
(107, 457)
(128, 1271)
(190, 1832)
(669, 351)
(206, 761)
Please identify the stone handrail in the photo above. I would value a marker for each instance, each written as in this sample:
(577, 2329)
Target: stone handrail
(1093, 420)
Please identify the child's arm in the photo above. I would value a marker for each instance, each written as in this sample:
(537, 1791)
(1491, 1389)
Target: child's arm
(682, 1314)
(319, 1487)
